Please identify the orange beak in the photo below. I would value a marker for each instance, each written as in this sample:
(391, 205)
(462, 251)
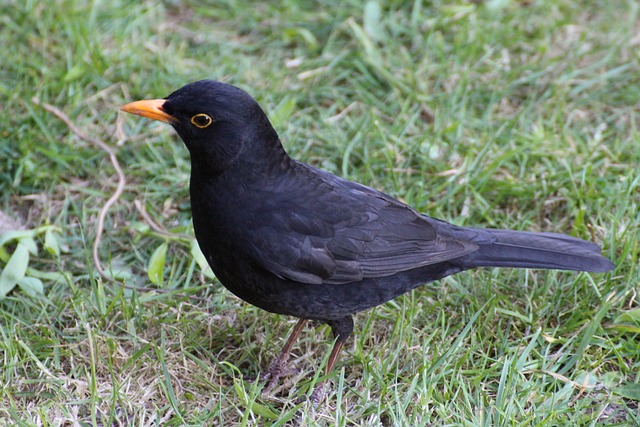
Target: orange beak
(150, 108)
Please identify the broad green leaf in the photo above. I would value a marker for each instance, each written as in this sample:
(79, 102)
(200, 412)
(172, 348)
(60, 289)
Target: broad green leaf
(629, 390)
(625, 328)
(10, 236)
(51, 243)
(197, 254)
(30, 244)
(4, 255)
(14, 270)
(120, 270)
(631, 316)
(140, 227)
(31, 286)
(263, 411)
(628, 321)
(46, 275)
(155, 269)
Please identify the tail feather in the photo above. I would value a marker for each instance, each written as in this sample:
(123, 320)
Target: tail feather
(521, 249)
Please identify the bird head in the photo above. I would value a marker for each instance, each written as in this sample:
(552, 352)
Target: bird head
(218, 122)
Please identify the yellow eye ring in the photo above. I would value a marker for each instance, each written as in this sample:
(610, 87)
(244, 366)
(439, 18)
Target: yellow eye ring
(201, 120)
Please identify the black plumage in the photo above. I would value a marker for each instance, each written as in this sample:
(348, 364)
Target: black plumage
(296, 240)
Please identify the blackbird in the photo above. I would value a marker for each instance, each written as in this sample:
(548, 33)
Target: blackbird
(296, 240)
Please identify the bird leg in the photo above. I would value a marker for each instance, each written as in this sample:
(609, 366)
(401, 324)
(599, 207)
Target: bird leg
(279, 366)
(318, 392)
(342, 329)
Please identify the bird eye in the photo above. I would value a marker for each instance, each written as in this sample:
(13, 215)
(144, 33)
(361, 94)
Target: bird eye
(201, 120)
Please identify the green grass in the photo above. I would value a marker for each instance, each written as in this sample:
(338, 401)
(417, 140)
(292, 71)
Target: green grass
(511, 114)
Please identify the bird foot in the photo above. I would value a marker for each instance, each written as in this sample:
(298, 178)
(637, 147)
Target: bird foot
(273, 375)
(317, 395)
(279, 366)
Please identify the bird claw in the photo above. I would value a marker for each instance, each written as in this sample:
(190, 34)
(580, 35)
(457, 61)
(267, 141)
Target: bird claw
(279, 366)
(317, 395)
(273, 374)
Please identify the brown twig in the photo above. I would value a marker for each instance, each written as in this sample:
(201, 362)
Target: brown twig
(114, 197)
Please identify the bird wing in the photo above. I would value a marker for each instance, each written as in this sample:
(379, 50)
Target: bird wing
(334, 231)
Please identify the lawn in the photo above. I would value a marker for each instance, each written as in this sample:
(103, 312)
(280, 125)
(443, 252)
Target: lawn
(502, 113)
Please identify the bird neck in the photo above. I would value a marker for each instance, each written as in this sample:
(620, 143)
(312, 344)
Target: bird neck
(254, 156)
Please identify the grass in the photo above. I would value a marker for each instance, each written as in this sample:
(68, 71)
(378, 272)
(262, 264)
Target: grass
(512, 114)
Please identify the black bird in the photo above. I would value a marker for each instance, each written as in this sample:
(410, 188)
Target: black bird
(296, 240)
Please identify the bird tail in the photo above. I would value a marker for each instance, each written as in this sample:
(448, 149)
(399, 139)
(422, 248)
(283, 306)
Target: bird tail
(521, 249)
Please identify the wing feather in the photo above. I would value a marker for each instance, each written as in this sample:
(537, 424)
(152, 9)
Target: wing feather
(345, 232)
